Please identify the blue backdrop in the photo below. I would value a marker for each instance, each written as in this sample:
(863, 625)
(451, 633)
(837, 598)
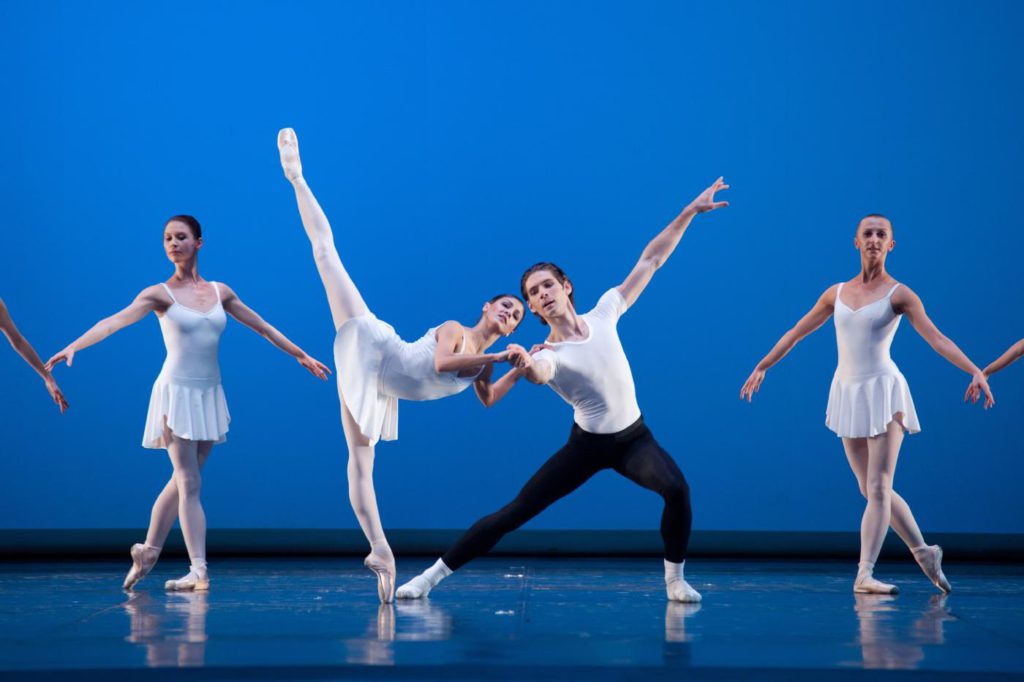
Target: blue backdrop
(452, 144)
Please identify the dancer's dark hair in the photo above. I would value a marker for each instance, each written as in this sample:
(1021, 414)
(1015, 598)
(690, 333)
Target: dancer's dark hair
(193, 224)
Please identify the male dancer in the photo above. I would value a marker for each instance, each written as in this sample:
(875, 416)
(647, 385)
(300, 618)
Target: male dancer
(583, 361)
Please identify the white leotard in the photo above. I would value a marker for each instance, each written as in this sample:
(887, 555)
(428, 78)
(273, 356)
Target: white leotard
(187, 394)
(868, 389)
(376, 369)
(593, 374)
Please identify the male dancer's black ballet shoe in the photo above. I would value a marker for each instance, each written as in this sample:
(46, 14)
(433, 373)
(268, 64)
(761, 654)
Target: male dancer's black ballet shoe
(385, 577)
(144, 559)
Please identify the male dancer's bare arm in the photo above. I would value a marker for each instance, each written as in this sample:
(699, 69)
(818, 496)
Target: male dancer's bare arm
(251, 319)
(449, 337)
(906, 302)
(26, 351)
(1013, 353)
(662, 246)
(817, 316)
(148, 300)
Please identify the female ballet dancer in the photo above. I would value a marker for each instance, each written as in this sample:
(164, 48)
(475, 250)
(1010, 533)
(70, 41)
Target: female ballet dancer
(869, 404)
(376, 368)
(188, 413)
(26, 351)
(1010, 356)
(583, 361)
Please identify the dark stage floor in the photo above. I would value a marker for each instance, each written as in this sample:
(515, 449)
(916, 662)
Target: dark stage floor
(510, 619)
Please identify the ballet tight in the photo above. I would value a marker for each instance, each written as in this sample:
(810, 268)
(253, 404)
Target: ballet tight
(632, 452)
(873, 461)
(345, 302)
(180, 497)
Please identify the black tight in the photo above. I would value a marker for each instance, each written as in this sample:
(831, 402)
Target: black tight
(632, 452)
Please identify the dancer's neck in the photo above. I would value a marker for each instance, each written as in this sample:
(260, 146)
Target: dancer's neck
(187, 273)
(482, 335)
(870, 272)
(567, 327)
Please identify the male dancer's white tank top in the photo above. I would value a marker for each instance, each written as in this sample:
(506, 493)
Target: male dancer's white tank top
(376, 368)
(593, 374)
(188, 395)
(868, 389)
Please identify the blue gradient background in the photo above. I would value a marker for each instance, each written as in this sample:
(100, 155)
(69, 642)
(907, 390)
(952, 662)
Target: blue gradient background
(453, 144)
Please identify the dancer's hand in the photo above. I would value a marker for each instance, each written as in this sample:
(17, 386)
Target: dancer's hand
(518, 357)
(498, 358)
(56, 393)
(537, 347)
(705, 201)
(67, 355)
(315, 367)
(979, 385)
(752, 384)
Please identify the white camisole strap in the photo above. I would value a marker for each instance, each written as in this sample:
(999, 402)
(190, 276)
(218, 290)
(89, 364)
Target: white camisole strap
(168, 290)
(217, 289)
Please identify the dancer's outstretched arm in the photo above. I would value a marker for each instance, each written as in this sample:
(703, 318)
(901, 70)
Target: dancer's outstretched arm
(449, 338)
(906, 302)
(149, 299)
(662, 246)
(26, 351)
(247, 316)
(1012, 353)
(810, 322)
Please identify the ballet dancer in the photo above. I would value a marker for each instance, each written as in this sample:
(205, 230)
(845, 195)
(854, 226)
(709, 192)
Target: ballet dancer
(583, 361)
(869, 404)
(26, 351)
(376, 368)
(1009, 357)
(188, 413)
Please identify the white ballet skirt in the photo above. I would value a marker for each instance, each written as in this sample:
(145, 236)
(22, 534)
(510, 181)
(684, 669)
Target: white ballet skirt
(187, 395)
(868, 389)
(376, 368)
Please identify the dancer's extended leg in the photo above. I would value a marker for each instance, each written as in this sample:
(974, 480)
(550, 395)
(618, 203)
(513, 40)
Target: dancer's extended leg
(928, 557)
(363, 499)
(342, 294)
(566, 470)
(184, 456)
(161, 520)
(647, 464)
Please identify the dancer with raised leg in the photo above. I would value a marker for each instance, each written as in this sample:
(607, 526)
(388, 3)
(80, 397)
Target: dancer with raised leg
(188, 413)
(376, 368)
(28, 353)
(869, 404)
(584, 362)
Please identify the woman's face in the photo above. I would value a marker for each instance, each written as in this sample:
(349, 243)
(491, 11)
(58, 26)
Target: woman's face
(874, 238)
(505, 314)
(547, 296)
(179, 243)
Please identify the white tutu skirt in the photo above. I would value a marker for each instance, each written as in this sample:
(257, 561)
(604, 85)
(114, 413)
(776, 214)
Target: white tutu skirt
(191, 409)
(360, 348)
(862, 407)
